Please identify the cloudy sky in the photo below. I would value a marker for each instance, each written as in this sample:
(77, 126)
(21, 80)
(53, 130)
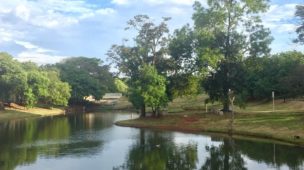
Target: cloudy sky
(46, 31)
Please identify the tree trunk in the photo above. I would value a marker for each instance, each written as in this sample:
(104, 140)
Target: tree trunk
(153, 112)
(142, 137)
(226, 107)
(159, 112)
(143, 111)
(225, 100)
(226, 155)
(1, 106)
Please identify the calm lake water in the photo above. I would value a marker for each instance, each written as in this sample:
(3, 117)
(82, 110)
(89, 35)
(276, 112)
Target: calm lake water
(92, 141)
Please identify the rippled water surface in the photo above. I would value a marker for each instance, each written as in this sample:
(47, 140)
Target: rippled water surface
(92, 141)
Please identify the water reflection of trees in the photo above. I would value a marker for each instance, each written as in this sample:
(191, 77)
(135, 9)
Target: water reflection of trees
(21, 142)
(226, 156)
(274, 155)
(229, 155)
(156, 150)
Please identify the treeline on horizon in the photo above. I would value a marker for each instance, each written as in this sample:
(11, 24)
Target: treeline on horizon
(27, 83)
(63, 83)
(225, 53)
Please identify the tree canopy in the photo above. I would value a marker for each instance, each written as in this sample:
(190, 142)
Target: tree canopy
(155, 63)
(86, 76)
(28, 84)
(226, 32)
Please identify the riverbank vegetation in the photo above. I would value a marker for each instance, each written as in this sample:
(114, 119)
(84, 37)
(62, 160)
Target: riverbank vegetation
(27, 85)
(188, 114)
(287, 127)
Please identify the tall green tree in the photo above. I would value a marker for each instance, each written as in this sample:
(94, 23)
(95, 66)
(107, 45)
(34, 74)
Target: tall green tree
(86, 76)
(153, 88)
(183, 78)
(44, 86)
(59, 92)
(227, 31)
(150, 48)
(28, 84)
(275, 73)
(293, 83)
(13, 79)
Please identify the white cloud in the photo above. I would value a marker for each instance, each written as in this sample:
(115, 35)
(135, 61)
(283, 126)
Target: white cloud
(105, 11)
(39, 58)
(120, 2)
(155, 2)
(173, 2)
(280, 18)
(37, 54)
(175, 11)
(52, 13)
(54, 20)
(183, 2)
(30, 46)
(23, 12)
(286, 28)
(4, 10)
(26, 45)
(7, 33)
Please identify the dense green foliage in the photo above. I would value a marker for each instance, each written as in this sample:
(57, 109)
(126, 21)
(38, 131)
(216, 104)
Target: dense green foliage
(26, 83)
(280, 73)
(152, 49)
(87, 76)
(13, 79)
(152, 88)
(149, 89)
(183, 79)
(121, 86)
(71, 80)
(226, 32)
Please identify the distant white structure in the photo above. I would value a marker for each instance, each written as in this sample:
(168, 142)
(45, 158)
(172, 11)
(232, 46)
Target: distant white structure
(112, 96)
(108, 98)
(90, 98)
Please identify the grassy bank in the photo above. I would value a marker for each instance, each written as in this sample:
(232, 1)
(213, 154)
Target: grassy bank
(257, 119)
(279, 126)
(13, 114)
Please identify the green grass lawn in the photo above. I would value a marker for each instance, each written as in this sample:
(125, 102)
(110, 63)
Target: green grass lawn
(257, 119)
(280, 126)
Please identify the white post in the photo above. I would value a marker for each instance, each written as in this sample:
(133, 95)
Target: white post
(231, 99)
(206, 107)
(273, 101)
